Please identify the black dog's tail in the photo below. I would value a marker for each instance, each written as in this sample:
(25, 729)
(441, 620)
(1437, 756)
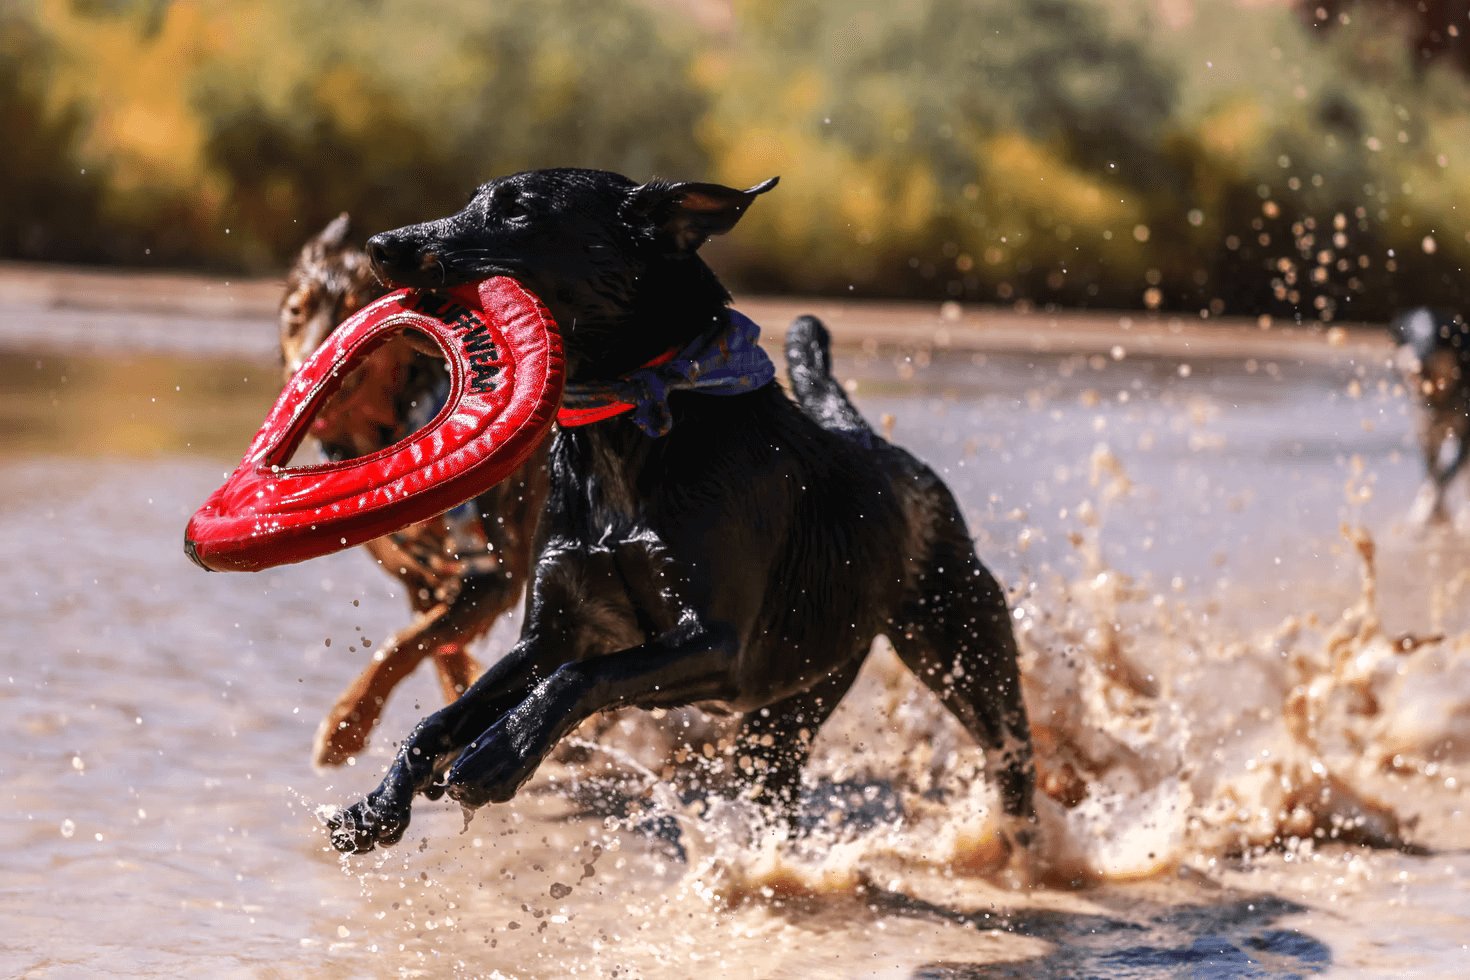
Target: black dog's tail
(818, 394)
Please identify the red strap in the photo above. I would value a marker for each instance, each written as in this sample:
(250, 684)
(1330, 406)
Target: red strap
(586, 416)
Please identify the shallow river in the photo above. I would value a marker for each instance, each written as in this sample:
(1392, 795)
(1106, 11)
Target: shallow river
(1226, 676)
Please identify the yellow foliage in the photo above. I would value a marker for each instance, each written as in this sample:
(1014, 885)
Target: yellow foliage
(342, 93)
(805, 91)
(143, 128)
(1042, 182)
(1234, 132)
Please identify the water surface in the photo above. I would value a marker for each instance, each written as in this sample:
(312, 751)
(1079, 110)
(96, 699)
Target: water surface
(1178, 520)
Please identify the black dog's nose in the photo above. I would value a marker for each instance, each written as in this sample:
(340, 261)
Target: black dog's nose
(380, 250)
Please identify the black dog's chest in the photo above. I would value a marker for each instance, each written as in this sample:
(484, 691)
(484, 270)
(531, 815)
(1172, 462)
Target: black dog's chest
(612, 592)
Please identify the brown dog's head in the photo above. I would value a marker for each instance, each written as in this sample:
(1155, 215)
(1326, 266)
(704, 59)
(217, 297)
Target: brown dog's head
(329, 281)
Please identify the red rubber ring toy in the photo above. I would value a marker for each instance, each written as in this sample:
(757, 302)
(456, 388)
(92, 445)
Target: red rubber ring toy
(506, 372)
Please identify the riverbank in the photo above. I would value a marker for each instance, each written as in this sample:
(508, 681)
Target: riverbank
(67, 309)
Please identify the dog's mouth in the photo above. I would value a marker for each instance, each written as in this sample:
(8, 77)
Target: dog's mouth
(438, 268)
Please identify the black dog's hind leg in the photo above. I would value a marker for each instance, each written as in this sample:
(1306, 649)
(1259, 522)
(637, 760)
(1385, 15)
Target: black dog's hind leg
(778, 738)
(954, 633)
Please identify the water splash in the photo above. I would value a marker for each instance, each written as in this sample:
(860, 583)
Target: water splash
(1161, 740)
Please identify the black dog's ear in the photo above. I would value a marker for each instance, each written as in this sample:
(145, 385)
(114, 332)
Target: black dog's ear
(687, 214)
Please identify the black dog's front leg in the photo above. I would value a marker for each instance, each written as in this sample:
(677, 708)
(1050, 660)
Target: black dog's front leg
(671, 671)
(383, 816)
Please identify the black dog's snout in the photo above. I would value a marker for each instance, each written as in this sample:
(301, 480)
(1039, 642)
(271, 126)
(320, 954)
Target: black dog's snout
(406, 260)
(381, 251)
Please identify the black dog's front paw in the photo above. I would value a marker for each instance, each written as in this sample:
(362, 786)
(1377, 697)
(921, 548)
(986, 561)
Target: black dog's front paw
(493, 768)
(380, 818)
(383, 816)
(366, 824)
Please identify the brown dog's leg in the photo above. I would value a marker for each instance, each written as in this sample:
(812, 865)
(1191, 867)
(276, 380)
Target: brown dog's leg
(421, 581)
(511, 511)
(457, 669)
(344, 732)
(443, 632)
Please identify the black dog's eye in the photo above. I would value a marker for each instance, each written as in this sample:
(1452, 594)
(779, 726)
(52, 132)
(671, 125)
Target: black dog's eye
(505, 203)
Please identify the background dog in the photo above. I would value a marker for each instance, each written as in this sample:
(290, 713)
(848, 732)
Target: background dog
(1434, 356)
(728, 548)
(461, 570)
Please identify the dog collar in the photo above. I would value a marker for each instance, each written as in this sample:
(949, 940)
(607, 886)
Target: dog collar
(726, 361)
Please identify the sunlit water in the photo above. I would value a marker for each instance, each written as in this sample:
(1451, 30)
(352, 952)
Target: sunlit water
(1200, 651)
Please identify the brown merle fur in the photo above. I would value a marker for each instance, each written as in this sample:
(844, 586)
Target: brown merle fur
(459, 577)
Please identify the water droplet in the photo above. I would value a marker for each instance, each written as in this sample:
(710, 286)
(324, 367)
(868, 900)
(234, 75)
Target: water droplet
(68, 828)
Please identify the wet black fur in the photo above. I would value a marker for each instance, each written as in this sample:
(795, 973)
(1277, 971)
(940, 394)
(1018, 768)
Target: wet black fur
(749, 557)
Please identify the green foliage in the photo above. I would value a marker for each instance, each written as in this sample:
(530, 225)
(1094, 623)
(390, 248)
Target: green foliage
(234, 129)
(1079, 152)
(42, 191)
(1054, 151)
(959, 147)
(398, 110)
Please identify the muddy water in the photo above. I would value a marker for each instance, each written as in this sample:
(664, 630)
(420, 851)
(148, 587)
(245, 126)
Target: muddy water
(1224, 687)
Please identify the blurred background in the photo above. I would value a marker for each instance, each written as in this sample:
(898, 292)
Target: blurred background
(1297, 160)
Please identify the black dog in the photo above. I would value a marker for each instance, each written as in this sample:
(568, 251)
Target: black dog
(1434, 356)
(748, 557)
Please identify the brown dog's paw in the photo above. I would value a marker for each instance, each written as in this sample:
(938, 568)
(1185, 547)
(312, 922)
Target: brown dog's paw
(339, 739)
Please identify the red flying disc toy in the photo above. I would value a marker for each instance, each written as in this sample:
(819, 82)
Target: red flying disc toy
(506, 374)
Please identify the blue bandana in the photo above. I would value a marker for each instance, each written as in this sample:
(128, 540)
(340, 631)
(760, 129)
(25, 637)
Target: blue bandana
(727, 361)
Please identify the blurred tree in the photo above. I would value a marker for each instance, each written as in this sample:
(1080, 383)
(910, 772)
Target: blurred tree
(961, 149)
(396, 112)
(1047, 151)
(1433, 29)
(1077, 152)
(228, 131)
(43, 193)
(1350, 148)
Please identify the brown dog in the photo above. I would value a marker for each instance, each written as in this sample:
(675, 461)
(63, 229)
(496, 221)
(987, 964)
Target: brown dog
(461, 570)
